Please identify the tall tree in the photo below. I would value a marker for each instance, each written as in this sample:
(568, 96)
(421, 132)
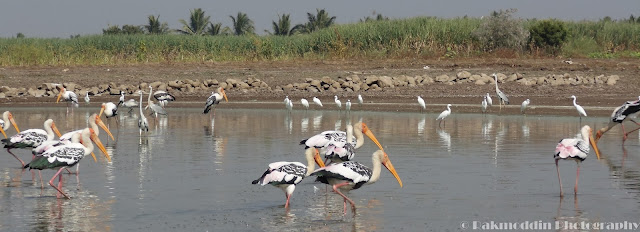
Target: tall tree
(155, 27)
(198, 22)
(283, 26)
(316, 22)
(214, 29)
(242, 24)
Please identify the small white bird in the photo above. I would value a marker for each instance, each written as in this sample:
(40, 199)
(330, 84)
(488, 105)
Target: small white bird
(289, 105)
(484, 105)
(422, 104)
(348, 106)
(338, 103)
(305, 103)
(143, 124)
(360, 101)
(286, 100)
(444, 115)
(86, 98)
(523, 107)
(317, 101)
(121, 98)
(579, 108)
(489, 100)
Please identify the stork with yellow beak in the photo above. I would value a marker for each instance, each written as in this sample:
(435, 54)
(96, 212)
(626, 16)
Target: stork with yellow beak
(215, 99)
(31, 138)
(7, 118)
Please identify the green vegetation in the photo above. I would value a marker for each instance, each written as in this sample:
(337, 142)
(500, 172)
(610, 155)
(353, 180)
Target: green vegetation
(548, 34)
(421, 38)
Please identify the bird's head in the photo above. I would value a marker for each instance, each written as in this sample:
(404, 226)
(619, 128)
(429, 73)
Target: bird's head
(224, 94)
(97, 141)
(365, 130)
(384, 159)
(9, 116)
(100, 123)
(62, 90)
(593, 141)
(102, 109)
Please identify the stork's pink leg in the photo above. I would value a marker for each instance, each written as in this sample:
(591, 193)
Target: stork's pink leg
(41, 180)
(286, 205)
(58, 188)
(335, 189)
(22, 162)
(575, 189)
(559, 181)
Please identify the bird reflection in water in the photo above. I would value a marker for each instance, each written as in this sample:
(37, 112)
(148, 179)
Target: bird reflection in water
(317, 121)
(84, 213)
(338, 124)
(304, 124)
(445, 139)
(421, 125)
(566, 222)
(288, 123)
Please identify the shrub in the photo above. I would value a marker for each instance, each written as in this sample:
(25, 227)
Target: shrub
(500, 30)
(549, 34)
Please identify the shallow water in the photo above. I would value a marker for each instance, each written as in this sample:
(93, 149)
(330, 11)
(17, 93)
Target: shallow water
(192, 173)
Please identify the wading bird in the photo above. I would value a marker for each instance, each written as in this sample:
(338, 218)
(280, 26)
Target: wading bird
(67, 96)
(523, 106)
(288, 104)
(423, 106)
(110, 110)
(7, 118)
(444, 115)
(317, 101)
(484, 105)
(502, 98)
(215, 99)
(489, 100)
(286, 175)
(579, 108)
(67, 156)
(31, 138)
(131, 103)
(621, 114)
(324, 139)
(347, 106)
(337, 101)
(576, 149)
(155, 109)
(350, 175)
(94, 121)
(305, 103)
(143, 124)
(86, 97)
(121, 100)
(341, 151)
(360, 101)
(163, 97)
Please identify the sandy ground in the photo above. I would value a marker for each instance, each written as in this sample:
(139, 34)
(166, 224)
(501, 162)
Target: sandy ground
(597, 99)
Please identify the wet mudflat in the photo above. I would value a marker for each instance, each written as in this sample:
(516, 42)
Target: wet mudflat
(193, 172)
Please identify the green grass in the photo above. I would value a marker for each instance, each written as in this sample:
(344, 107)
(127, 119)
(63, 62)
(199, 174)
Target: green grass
(422, 37)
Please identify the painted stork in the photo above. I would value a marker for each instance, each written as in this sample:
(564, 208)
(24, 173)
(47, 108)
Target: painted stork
(350, 175)
(337, 101)
(109, 109)
(619, 115)
(576, 149)
(305, 103)
(423, 105)
(86, 97)
(67, 96)
(67, 156)
(502, 98)
(286, 175)
(322, 140)
(317, 101)
(31, 138)
(341, 151)
(155, 109)
(143, 124)
(489, 100)
(360, 101)
(215, 99)
(7, 118)
(94, 121)
(347, 106)
(485, 105)
(163, 97)
(579, 108)
(444, 115)
(524, 105)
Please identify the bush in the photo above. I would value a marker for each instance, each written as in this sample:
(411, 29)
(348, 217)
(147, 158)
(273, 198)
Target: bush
(549, 34)
(500, 30)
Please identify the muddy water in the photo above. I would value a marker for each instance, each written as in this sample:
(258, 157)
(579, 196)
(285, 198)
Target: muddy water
(193, 172)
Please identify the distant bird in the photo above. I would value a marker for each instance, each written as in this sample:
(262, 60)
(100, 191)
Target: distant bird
(502, 98)
(360, 101)
(286, 100)
(67, 96)
(7, 118)
(121, 100)
(576, 149)
(523, 107)
(305, 103)
(484, 105)
(489, 100)
(215, 99)
(579, 108)
(317, 101)
(86, 98)
(347, 106)
(155, 109)
(351, 175)
(444, 115)
(131, 103)
(289, 104)
(31, 138)
(143, 124)
(163, 97)
(619, 116)
(338, 103)
(423, 106)
(110, 110)
(286, 175)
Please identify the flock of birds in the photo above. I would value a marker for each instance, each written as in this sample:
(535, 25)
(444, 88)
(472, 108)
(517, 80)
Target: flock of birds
(338, 147)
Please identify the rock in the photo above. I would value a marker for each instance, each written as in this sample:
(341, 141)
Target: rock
(335, 84)
(463, 75)
(326, 79)
(174, 84)
(244, 85)
(287, 87)
(40, 93)
(541, 80)
(501, 77)
(443, 78)
(512, 77)
(2, 95)
(427, 80)
(4, 89)
(155, 84)
(480, 82)
(70, 86)
(316, 83)
(613, 79)
(223, 85)
(369, 80)
(385, 82)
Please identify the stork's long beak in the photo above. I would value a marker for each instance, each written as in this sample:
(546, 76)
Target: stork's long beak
(2, 130)
(97, 141)
(594, 144)
(55, 129)
(224, 94)
(104, 127)
(101, 111)
(59, 95)
(369, 134)
(387, 163)
(92, 154)
(598, 135)
(317, 158)
(13, 122)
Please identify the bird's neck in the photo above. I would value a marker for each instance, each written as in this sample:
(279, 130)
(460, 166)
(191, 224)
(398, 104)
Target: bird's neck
(377, 167)
(88, 145)
(574, 101)
(49, 131)
(608, 127)
(359, 138)
(311, 163)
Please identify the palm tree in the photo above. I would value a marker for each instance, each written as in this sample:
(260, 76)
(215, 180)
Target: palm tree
(198, 22)
(283, 26)
(214, 29)
(318, 21)
(242, 24)
(155, 27)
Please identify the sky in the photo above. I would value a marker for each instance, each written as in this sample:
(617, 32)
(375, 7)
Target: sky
(62, 18)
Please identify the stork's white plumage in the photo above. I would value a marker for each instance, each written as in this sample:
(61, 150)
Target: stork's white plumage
(524, 105)
(489, 100)
(7, 118)
(423, 105)
(31, 138)
(360, 100)
(121, 100)
(341, 151)
(109, 109)
(619, 115)
(215, 99)
(317, 101)
(322, 140)
(350, 175)
(576, 149)
(94, 121)
(579, 108)
(131, 103)
(286, 175)
(337, 101)
(67, 96)
(444, 115)
(163, 97)
(305, 103)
